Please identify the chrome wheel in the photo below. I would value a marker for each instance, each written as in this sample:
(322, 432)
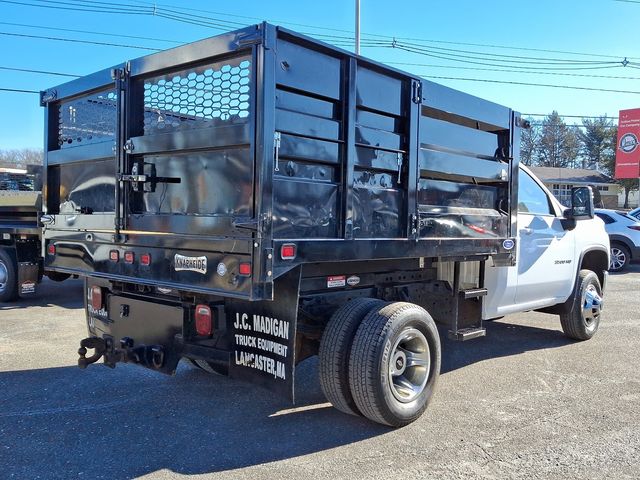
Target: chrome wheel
(591, 305)
(409, 365)
(618, 259)
(4, 276)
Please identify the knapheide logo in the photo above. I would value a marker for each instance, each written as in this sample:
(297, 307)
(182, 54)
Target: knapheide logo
(628, 142)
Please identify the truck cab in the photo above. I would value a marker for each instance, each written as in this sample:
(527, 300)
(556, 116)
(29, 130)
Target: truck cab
(551, 250)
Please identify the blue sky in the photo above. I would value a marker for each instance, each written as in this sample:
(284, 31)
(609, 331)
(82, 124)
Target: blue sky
(565, 42)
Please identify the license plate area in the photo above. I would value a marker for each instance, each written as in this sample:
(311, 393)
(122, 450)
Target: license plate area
(145, 323)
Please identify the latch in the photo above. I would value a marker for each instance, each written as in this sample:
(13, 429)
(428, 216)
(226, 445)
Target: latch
(416, 88)
(276, 150)
(143, 178)
(414, 223)
(399, 160)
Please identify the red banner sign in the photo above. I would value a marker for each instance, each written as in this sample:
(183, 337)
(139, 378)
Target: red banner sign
(628, 150)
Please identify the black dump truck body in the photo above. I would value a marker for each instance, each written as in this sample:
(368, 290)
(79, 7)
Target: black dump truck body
(20, 232)
(270, 179)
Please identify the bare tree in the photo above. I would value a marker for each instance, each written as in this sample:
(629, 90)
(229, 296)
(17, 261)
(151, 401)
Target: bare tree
(529, 141)
(20, 158)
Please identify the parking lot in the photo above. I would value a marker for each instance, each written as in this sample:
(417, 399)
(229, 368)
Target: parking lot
(524, 402)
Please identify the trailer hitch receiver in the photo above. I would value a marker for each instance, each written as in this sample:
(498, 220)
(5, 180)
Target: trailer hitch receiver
(99, 346)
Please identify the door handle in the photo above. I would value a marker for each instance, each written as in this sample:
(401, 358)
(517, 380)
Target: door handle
(526, 231)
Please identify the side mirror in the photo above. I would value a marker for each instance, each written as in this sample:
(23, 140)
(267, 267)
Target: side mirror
(581, 203)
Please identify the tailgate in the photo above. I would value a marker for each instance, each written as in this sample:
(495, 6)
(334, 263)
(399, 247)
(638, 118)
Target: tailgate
(150, 169)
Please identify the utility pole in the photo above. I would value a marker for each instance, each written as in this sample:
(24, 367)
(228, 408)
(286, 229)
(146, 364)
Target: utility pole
(357, 27)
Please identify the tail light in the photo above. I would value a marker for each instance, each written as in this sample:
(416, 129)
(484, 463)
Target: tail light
(51, 249)
(145, 259)
(244, 269)
(95, 297)
(114, 256)
(203, 320)
(129, 257)
(288, 251)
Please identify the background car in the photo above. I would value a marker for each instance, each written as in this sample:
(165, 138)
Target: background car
(635, 213)
(624, 236)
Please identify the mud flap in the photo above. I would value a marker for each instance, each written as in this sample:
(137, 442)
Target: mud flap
(263, 337)
(28, 278)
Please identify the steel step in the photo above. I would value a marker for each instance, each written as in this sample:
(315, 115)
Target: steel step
(473, 293)
(464, 334)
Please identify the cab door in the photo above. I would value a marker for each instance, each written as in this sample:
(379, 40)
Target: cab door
(545, 262)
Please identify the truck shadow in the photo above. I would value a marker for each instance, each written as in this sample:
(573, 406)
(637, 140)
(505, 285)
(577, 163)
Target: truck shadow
(502, 340)
(67, 294)
(128, 422)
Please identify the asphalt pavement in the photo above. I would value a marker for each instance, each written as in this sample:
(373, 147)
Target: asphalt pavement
(524, 402)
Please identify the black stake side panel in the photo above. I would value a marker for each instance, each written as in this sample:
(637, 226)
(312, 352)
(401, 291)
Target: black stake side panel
(372, 162)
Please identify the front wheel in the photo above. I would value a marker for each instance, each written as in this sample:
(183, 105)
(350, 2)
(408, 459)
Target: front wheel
(620, 257)
(394, 363)
(583, 320)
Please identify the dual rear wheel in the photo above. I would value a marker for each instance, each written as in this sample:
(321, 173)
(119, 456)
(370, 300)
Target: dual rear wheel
(380, 360)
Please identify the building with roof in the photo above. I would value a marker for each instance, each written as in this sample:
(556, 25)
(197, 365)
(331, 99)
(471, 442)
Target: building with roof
(561, 180)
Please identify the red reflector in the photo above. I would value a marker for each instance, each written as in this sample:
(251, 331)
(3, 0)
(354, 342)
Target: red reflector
(477, 229)
(129, 257)
(96, 297)
(51, 249)
(244, 269)
(203, 320)
(114, 255)
(145, 259)
(288, 251)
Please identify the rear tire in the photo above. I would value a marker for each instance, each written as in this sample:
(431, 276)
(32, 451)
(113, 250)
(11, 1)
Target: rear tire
(583, 320)
(57, 276)
(8, 277)
(208, 366)
(620, 257)
(335, 348)
(395, 363)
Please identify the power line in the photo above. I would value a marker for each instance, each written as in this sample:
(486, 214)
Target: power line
(89, 42)
(390, 37)
(528, 72)
(178, 14)
(533, 84)
(18, 90)
(44, 72)
(74, 7)
(470, 59)
(44, 27)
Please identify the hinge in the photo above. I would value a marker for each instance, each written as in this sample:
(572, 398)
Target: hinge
(417, 92)
(117, 73)
(414, 224)
(47, 96)
(276, 150)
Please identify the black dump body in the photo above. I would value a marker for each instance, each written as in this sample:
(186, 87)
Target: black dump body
(230, 147)
(270, 178)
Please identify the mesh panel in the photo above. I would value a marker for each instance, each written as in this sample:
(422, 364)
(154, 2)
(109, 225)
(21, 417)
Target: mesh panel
(198, 96)
(89, 119)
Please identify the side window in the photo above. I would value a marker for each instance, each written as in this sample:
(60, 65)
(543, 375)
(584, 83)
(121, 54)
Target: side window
(605, 218)
(531, 198)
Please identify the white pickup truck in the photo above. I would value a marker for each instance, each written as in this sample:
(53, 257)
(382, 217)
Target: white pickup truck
(561, 264)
